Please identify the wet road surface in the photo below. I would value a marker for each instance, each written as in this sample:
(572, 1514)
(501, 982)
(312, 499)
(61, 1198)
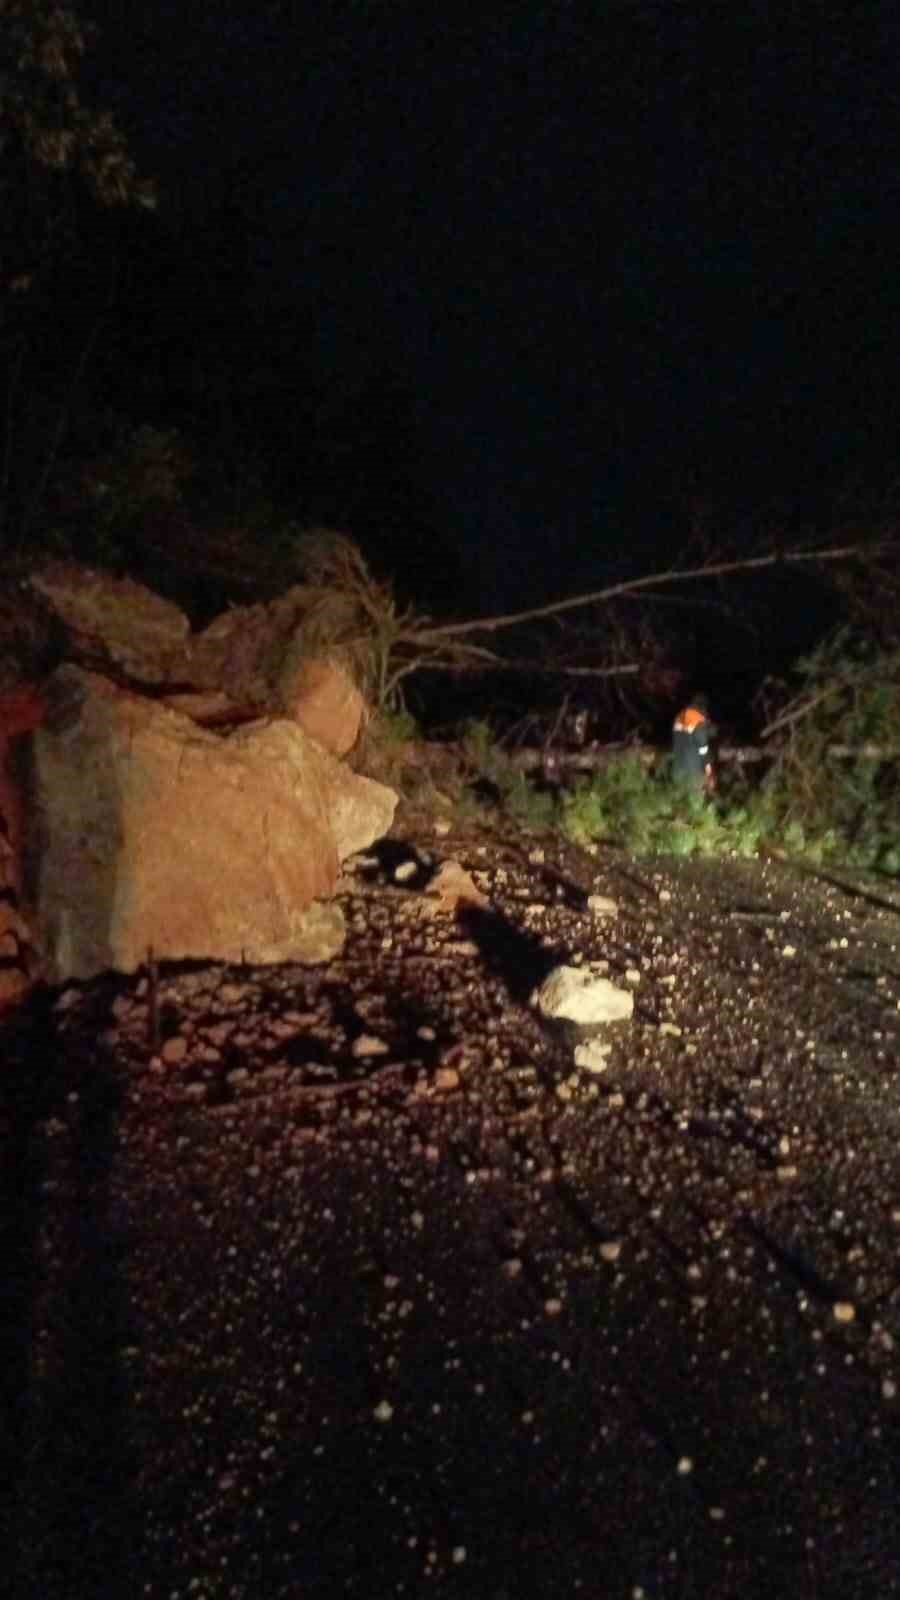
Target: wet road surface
(291, 1315)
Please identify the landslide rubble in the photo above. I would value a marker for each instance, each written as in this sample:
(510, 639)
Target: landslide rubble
(370, 1278)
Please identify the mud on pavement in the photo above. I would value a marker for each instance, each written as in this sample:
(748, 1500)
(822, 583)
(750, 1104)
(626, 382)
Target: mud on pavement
(348, 1282)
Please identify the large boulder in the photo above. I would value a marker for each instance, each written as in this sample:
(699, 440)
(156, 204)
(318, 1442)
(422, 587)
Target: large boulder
(148, 832)
(263, 658)
(276, 655)
(115, 623)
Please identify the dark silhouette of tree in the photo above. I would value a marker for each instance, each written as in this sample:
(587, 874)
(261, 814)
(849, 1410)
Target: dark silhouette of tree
(62, 162)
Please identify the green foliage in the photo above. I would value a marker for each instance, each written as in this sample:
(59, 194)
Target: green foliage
(516, 794)
(527, 804)
(395, 726)
(816, 802)
(655, 813)
(482, 751)
(824, 805)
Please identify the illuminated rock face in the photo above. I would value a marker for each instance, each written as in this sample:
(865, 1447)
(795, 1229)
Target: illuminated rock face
(149, 832)
(324, 701)
(115, 621)
(255, 656)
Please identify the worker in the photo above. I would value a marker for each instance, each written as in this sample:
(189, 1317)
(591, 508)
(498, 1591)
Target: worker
(692, 736)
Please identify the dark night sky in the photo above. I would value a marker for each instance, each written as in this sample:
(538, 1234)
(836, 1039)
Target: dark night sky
(625, 258)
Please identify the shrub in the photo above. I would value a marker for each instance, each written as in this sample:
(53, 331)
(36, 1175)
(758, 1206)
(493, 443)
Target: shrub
(827, 806)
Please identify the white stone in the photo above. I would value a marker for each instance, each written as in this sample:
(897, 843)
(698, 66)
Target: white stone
(600, 905)
(593, 1055)
(580, 994)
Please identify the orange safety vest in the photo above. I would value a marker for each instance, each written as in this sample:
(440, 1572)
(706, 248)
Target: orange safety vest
(688, 719)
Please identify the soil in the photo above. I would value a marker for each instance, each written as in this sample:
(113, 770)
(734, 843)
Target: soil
(343, 1280)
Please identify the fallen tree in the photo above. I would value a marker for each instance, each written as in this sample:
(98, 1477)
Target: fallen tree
(417, 643)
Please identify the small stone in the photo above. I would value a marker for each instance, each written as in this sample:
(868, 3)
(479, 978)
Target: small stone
(383, 1411)
(685, 1465)
(670, 1030)
(600, 905)
(174, 1050)
(446, 1079)
(405, 871)
(593, 1055)
(368, 1045)
(843, 1311)
(512, 1268)
(789, 951)
(68, 999)
(610, 1250)
(553, 1307)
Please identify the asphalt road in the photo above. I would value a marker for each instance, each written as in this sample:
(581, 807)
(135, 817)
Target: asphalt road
(355, 1286)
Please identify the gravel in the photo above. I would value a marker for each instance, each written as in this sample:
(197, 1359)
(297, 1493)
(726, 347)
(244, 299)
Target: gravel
(330, 1291)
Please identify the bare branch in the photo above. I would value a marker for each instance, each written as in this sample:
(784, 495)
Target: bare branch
(486, 659)
(630, 586)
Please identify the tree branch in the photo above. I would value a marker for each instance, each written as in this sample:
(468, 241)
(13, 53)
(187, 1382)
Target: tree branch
(632, 586)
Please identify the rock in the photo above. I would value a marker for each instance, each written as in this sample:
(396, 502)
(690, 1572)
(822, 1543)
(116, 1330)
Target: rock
(452, 885)
(259, 655)
(359, 809)
(319, 934)
(116, 622)
(600, 905)
(210, 707)
(234, 655)
(593, 1055)
(368, 1045)
(20, 711)
(148, 832)
(321, 696)
(580, 994)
